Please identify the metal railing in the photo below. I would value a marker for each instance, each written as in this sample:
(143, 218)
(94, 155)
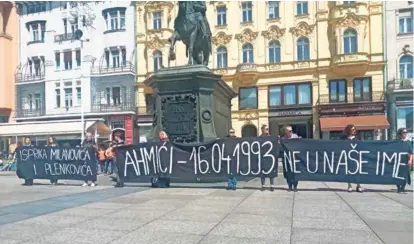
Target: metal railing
(105, 100)
(128, 67)
(246, 67)
(64, 37)
(23, 113)
(349, 98)
(29, 77)
(399, 84)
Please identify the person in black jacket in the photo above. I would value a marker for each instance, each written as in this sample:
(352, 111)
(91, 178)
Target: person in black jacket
(350, 133)
(117, 143)
(407, 145)
(27, 143)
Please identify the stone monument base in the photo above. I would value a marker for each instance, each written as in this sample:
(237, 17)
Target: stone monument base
(193, 104)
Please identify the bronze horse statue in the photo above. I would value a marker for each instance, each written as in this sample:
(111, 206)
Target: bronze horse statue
(191, 27)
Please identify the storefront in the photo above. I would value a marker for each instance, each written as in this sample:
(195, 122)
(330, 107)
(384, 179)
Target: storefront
(299, 118)
(400, 112)
(123, 125)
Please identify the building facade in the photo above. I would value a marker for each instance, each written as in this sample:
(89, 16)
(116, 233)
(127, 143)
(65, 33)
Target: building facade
(399, 47)
(314, 65)
(76, 70)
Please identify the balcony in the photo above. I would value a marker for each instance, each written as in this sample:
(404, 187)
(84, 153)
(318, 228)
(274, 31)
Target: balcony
(352, 64)
(401, 84)
(22, 78)
(247, 73)
(128, 68)
(25, 113)
(114, 99)
(64, 37)
(350, 104)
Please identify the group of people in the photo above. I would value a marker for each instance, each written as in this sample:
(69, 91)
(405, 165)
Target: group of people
(349, 133)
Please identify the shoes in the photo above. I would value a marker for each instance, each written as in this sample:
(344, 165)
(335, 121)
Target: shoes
(360, 189)
(350, 189)
(85, 184)
(263, 188)
(93, 184)
(119, 185)
(272, 188)
(295, 189)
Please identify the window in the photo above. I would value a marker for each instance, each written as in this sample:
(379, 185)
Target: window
(248, 98)
(406, 67)
(35, 32)
(405, 21)
(157, 60)
(57, 94)
(337, 91)
(156, 20)
(116, 95)
(115, 19)
(79, 96)
(115, 58)
(36, 8)
(275, 96)
(74, 26)
(38, 102)
(67, 58)
(37, 67)
(349, 2)
(222, 57)
(247, 11)
(221, 16)
(107, 58)
(350, 41)
(296, 94)
(78, 58)
(248, 53)
(405, 118)
(301, 8)
(273, 9)
(57, 60)
(123, 51)
(68, 97)
(65, 26)
(303, 49)
(362, 89)
(274, 52)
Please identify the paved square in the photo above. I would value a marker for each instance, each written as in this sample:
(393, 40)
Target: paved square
(194, 213)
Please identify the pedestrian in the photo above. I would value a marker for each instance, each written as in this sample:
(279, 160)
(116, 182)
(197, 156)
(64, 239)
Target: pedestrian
(101, 158)
(51, 142)
(290, 176)
(118, 141)
(265, 132)
(407, 146)
(231, 179)
(350, 133)
(89, 142)
(27, 143)
(164, 181)
(109, 162)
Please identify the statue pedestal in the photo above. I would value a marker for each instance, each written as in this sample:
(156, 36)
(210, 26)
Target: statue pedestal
(192, 104)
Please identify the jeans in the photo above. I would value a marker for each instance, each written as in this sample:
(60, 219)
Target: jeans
(108, 167)
(263, 179)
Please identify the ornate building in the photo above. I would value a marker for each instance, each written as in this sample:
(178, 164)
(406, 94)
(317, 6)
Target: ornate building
(314, 65)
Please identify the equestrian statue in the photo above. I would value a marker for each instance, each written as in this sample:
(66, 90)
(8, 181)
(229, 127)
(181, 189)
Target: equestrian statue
(192, 28)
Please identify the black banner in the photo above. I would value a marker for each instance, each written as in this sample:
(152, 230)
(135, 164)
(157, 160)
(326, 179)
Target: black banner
(373, 162)
(56, 163)
(190, 162)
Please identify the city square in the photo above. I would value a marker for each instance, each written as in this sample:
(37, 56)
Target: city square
(206, 122)
(202, 213)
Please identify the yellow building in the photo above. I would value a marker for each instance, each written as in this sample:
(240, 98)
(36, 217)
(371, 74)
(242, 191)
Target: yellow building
(314, 65)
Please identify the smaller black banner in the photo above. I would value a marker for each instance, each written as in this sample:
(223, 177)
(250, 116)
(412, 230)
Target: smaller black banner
(368, 162)
(189, 162)
(68, 163)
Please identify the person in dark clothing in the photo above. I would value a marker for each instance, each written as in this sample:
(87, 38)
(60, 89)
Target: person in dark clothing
(231, 180)
(51, 142)
(265, 132)
(350, 133)
(27, 143)
(290, 176)
(89, 142)
(407, 145)
(117, 143)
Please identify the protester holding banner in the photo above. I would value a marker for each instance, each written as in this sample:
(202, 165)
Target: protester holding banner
(117, 143)
(350, 133)
(26, 143)
(89, 142)
(290, 176)
(231, 180)
(406, 144)
(265, 132)
(51, 142)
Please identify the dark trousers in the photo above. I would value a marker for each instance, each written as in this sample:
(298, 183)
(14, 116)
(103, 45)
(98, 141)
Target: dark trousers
(263, 179)
(119, 180)
(291, 181)
(408, 181)
(28, 182)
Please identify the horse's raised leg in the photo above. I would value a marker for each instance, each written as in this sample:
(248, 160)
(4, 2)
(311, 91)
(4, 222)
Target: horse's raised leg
(172, 41)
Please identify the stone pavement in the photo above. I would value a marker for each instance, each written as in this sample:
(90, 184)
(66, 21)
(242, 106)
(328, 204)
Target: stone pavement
(202, 213)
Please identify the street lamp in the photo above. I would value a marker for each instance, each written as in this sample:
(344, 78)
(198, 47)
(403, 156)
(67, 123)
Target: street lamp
(84, 12)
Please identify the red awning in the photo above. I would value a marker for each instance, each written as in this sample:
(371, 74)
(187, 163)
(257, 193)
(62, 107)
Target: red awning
(368, 122)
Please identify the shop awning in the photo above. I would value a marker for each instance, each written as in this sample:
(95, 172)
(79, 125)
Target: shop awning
(52, 128)
(368, 122)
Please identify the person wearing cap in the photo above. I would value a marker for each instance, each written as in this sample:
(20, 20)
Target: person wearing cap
(89, 142)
